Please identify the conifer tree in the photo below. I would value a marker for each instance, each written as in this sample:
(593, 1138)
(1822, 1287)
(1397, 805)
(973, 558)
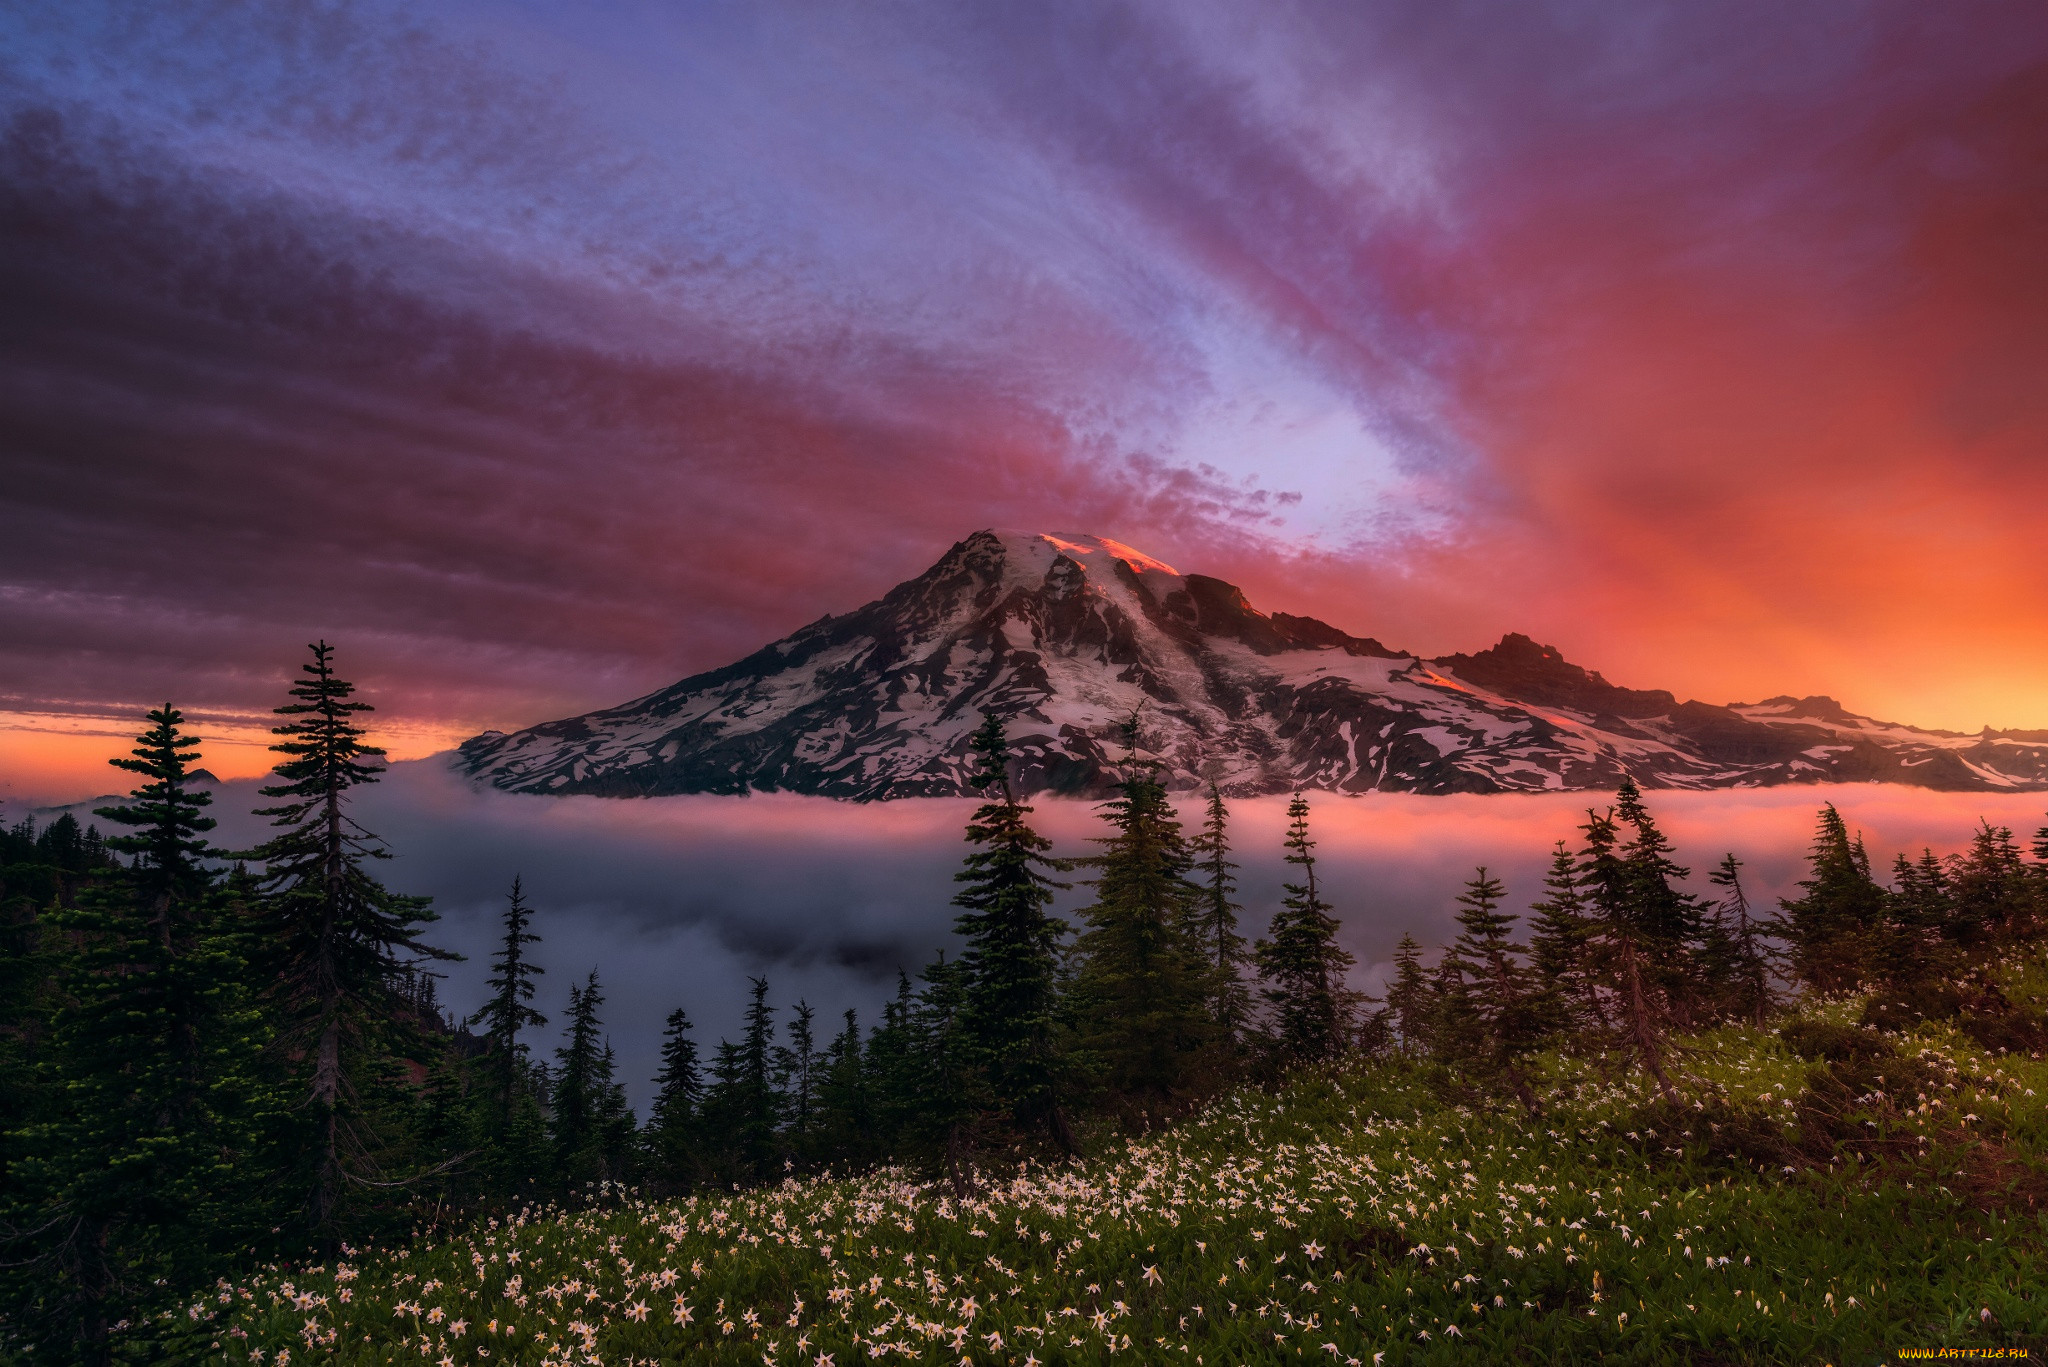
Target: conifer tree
(1009, 967)
(579, 1085)
(615, 1126)
(1666, 920)
(678, 1100)
(1747, 970)
(948, 1082)
(1301, 962)
(1918, 913)
(166, 813)
(1992, 896)
(891, 1065)
(846, 1116)
(1229, 954)
(744, 1108)
(1502, 1020)
(1624, 947)
(507, 1011)
(1833, 926)
(339, 941)
(1560, 946)
(796, 1076)
(137, 1176)
(1141, 988)
(1409, 998)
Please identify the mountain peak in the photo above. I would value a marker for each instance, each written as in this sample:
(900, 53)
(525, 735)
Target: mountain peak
(1068, 635)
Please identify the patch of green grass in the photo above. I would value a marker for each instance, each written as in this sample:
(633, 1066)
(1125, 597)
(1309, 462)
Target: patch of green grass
(1782, 1211)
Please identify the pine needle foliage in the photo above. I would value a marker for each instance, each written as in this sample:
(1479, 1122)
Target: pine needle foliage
(1502, 1019)
(133, 1174)
(1229, 953)
(507, 1011)
(340, 944)
(1301, 962)
(1141, 988)
(1009, 962)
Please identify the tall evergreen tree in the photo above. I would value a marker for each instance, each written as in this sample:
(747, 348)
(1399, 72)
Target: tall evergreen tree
(1409, 998)
(743, 1110)
(1009, 967)
(1301, 962)
(1504, 1020)
(678, 1100)
(168, 846)
(1746, 970)
(579, 1066)
(1992, 895)
(593, 1128)
(1560, 946)
(507, 1011)
(944, 1061)
(895, 1078)
(1624, 944)
(1141, 988)
(136, 1176)
(339, 941)
(796, 1076)
(1833, 926)
(846, 1111)
(1666, 919)
(1918, 914)
(1229, 953)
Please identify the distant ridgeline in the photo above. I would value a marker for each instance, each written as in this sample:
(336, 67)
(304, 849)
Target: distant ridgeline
(1065, 638)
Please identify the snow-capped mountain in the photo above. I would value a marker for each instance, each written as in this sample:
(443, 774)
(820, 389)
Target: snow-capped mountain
(1066, 637)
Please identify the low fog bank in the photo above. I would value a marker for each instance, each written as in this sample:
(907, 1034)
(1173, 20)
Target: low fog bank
(677, 901)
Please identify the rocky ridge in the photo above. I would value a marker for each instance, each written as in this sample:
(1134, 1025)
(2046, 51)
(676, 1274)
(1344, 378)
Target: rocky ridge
(1066, 637)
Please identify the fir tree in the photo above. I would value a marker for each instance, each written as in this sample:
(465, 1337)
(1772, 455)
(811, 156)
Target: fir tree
(744, 1109)
(1623, 947)
(1665, 920)
(138, 1177)
(507, 1012)
(1502, 1021)
(1228, 952)
(1409, 998)
(1301, 961)
(1560, 946)
(166, 814)
(1746, 969)
(1992, 896)
(1010, 964)
(796, 1076)
(891, 1066)
(944, 1066)
(339, 941)
(1832, 927)
(1141, 988)
(678, 1100)
(1918, 912)
(846, 1116)
(580, 1081)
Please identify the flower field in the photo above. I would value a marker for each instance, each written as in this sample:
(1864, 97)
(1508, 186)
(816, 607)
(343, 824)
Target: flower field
(1780, 1210)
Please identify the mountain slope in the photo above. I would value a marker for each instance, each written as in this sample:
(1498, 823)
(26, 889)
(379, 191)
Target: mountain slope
(1068, 636)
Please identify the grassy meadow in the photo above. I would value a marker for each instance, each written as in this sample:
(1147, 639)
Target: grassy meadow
(1815, 1192)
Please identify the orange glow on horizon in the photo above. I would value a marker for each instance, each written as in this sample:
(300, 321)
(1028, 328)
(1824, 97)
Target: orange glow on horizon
(50, 760)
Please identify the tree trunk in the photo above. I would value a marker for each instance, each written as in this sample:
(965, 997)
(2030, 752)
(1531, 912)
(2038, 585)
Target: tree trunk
(1642, 1028)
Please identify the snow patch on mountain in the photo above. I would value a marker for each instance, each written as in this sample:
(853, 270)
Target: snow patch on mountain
(1068, 636)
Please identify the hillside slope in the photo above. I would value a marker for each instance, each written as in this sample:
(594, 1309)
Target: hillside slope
(1360, 1217)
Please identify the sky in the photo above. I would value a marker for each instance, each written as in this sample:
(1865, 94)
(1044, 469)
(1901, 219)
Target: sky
(539, 355)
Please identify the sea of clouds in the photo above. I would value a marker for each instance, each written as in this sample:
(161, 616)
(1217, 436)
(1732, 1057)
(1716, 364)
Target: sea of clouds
(679, 901)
